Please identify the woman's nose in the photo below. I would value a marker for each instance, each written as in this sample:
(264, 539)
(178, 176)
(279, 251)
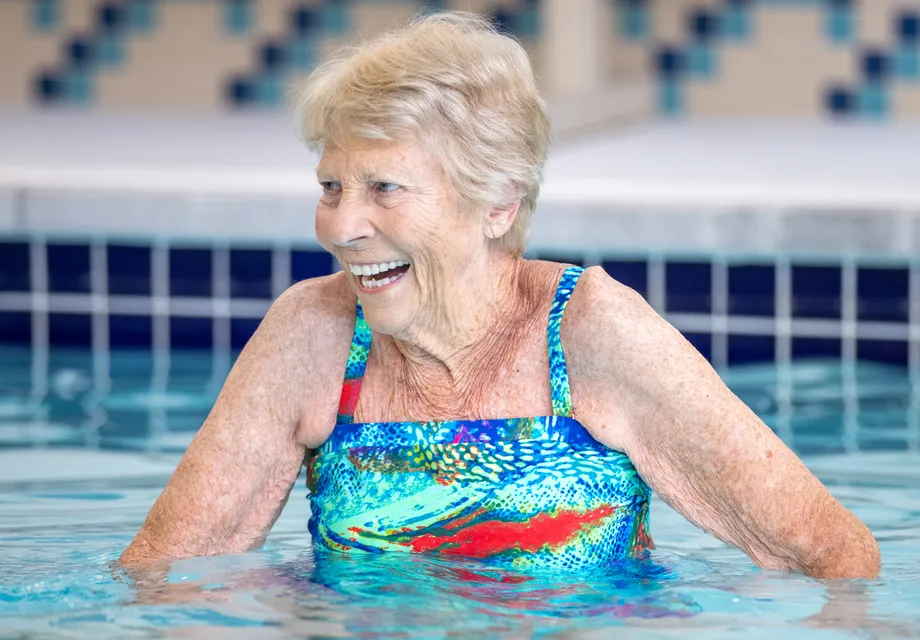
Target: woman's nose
(351, 224)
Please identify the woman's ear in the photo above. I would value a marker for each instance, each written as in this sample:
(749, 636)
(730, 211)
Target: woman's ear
(501, 219)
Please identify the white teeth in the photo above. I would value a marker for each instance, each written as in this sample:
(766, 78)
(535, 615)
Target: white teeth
(374, 269)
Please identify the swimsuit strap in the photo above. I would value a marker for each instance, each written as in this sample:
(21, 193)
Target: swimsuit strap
(354, 370)
(558, 373)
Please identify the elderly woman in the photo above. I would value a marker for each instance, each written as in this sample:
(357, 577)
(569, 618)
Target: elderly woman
(449, 395)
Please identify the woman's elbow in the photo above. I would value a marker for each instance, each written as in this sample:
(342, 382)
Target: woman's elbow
(856, 555)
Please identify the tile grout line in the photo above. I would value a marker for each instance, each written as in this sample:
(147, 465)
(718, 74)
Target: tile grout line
(41, 334)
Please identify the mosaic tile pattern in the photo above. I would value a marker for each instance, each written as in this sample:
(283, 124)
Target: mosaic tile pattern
(732, 309)
(837, 58)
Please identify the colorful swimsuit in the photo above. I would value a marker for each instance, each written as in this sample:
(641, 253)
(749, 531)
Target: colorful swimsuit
(519, 493)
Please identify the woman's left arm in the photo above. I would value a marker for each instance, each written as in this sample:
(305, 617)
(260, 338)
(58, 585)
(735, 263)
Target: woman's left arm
(646, 391)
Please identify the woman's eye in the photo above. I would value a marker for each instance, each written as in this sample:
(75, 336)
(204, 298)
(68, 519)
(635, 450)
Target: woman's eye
(330, 186)
(387, 187)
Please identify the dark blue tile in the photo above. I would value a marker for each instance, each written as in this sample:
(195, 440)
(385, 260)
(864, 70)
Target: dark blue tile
(632, 273)
(841, 101)
(883, 294)
(816, 292)
(240, 91)
(190, 272)
(688, 287)
(887, 351)
(111, 17)
(70, 329)
(310, 264)
(752, 290)
(669, 63)
(908, 28)
(79, 52)
(250, 273)
(703, 25)
(805, 348)
(241, 330)
(191, 333)
(68, 268)
(130, 331)
(702, 342)
(503, 21)
(273, 56)
(48, 87)
(305, 21)
(876, 66)
(743, 349)
(14, 266)
(15, 327)
(129, 270)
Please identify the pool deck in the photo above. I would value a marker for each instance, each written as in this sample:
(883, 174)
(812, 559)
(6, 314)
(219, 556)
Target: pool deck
(733, 186)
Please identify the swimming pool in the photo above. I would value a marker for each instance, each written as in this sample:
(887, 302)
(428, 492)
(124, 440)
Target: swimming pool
(85, 451)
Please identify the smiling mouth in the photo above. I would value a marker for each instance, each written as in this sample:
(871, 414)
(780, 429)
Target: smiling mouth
(376, 276)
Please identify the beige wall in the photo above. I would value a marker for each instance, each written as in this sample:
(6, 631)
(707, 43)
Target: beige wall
(186, 61)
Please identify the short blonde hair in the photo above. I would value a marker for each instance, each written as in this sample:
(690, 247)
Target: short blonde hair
(451, 81)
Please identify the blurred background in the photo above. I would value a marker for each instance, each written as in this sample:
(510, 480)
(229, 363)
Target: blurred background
(749, 166)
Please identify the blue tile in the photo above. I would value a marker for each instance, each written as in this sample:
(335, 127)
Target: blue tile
(191, 333)
(887, 351)
(240, 91)
(68, 268)
(808, 348)
(78, 87)
(908, 28)
(906, 63)
(14, 266)
(305, 21)
(49, 87)
(816, 292)
(251, 273)
(876, 66)
(670, 98)
(669, 63)
(80, 53)
(743, 349)
(528, 22)
(701, 60)
(633, 19)
(238, 16)
(70, 329)
(268, 89)
(688, 287)
(883, 294)
(503, 21)
(873, 100)
(736, 23)
(841, 101)
(110, 50)
(129, 270)
(301, 53)
(751, 290)
(141, 15)
(273, 56)
(15, 327)
(46, 15)
(130, 331)
(703, 25)
(335, 18)
(839, 25)
(632, 273)
(310, 264)
(190, 272)
(111, 17)
(702, 342)
(241, 330)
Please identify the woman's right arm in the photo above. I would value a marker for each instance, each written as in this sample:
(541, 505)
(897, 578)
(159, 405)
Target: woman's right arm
(237, 473)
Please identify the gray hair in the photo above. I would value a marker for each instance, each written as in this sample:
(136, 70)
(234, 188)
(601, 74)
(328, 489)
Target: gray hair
(451, 81)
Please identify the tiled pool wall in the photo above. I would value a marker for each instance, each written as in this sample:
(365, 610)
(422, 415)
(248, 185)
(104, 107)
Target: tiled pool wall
(156, 294)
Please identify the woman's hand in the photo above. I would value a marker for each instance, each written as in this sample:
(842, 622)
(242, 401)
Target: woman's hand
(641, 388)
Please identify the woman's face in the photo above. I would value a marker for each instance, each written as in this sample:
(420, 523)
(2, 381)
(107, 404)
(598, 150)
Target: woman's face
(389, 216)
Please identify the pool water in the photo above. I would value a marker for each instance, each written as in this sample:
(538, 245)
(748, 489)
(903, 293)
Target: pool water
(88, 441)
